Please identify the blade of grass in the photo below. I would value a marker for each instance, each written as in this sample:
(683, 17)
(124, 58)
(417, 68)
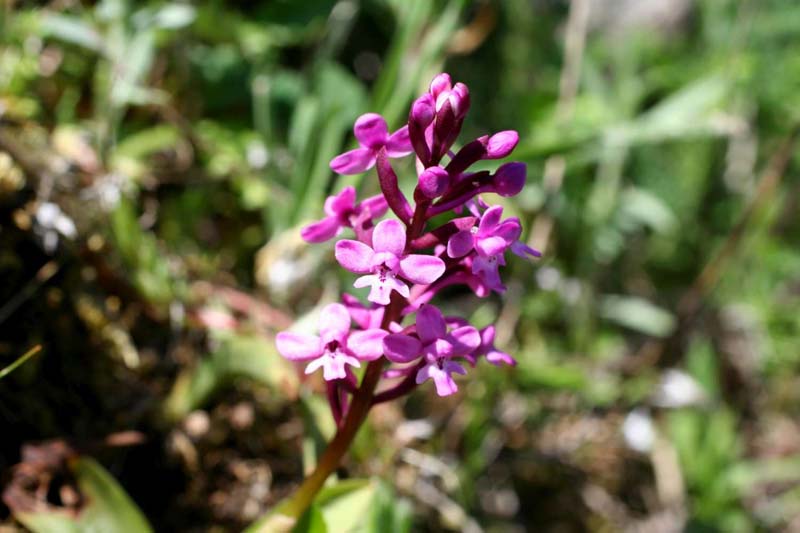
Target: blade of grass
(21, 360)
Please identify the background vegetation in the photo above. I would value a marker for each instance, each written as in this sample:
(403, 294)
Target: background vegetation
(156, 160)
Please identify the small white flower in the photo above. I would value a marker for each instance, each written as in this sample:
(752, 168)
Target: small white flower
(50, 221)
(638, 431)
(677, 389)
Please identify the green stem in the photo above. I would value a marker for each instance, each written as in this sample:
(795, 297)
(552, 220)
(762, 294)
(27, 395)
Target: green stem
(356, 414)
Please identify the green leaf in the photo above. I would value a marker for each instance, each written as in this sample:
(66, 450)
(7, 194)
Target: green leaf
(72, 30)
(647, 209)
(239, 355)
(637, 314)
(312, 521)
(108, 508)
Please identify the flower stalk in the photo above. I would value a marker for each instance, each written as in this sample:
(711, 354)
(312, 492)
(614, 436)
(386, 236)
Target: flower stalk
(405, 263)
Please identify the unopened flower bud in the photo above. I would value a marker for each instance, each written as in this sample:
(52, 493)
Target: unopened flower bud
(501, 144)
(433, 181)
(459, 100)
(440, 84)
(509, 179)
(422, 111)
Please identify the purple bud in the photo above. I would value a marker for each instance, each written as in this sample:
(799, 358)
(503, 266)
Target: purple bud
(501, 144)
(440, 83)
(422, 111)
(509, 179)
(459, 100)
(433, 181)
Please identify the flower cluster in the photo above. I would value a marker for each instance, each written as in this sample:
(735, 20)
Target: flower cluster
(404, 261)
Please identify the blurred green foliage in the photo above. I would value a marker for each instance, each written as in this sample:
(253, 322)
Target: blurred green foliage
(187, 142)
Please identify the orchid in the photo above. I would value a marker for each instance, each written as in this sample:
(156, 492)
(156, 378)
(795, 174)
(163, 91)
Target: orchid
(372, 134)
(335, 347)
(343, 212)
(436, 345)
(385, 261)
(407, 259)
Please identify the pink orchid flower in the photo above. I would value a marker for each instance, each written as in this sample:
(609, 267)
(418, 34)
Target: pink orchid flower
(372, 134)
(386, 261)
(335, 347)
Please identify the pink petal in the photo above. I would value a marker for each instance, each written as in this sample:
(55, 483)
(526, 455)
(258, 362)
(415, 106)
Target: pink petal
(353, 162)
(424, 373)
(445, 386)
(488, 246)
(496, 357)
(401, 348)
(430, 324)
(355, 256)
(367, 345)
(451, 367)
(487, 271)
(381, 289)
(487, 336)
(341, 203)
(465, 339)
(371, 130)
(389, 236)
(334, 323)
(376, 205)
(509, 230)
(297, 346)
(524, 251)
(423, 269)
(321, 231)
(490, 219)
(399, 143)
(460, 244)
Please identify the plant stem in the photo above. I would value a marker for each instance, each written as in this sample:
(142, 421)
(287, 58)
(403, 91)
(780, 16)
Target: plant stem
(330, 459)
(356, 414)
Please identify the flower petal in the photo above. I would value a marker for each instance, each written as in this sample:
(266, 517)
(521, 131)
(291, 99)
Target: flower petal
(322, 230)
(460, 244)
(430, 324)
(465, 339)
(423, 269)
(509, 230)
(353, 162)
(488, 246)
(401, 348)
(490, 219)
(376, 205)
(298, 346)
(399, 143)
(525, 251)
(487, 337)
(451, 367)
(355, 256)
(315, 364)
(341, 203)
(497, 358)
(445, 385)
(334, 323)
(371, 130)
(367, 345)
(389, 236)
